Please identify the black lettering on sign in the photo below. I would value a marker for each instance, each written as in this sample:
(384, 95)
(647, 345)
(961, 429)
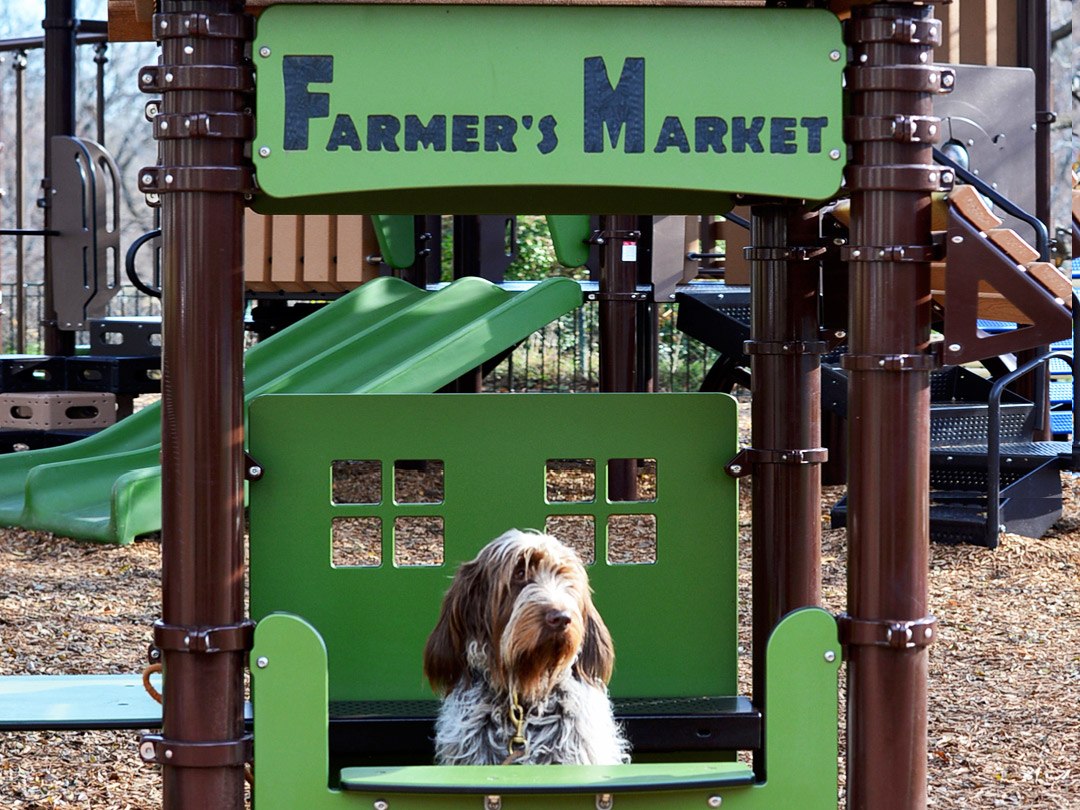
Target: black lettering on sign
(499, 133)
(382, 132)
(813, 127)
(301, 105)
(616, 107)
(743, 135)
(709, 132)
(343, 134)
(463, 137)
(782, 136)
(432, 136)
(672, 135)
(550, 140)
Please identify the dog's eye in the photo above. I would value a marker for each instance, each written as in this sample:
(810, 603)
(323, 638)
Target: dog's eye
(521, 573)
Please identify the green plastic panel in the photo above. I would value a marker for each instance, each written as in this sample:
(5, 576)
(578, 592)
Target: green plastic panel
(396, 236)
(544, 109)
(495, 449)
(292, 760)
(386, 335)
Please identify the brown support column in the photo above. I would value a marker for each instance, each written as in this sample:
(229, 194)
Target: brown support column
(618, 326)
(891, 81)
(203, 636)
(786, 455)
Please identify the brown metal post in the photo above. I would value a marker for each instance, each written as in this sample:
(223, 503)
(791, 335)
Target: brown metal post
(203, 637)
(618, 326)
(891, 82)
(60, 27)
(786, 454)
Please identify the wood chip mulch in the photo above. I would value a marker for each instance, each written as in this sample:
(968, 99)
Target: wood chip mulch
(1004, 692)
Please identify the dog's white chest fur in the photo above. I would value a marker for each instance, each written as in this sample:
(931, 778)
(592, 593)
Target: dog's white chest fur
(573, 725)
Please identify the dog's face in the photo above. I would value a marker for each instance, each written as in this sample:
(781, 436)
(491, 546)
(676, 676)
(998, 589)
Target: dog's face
(524, 608)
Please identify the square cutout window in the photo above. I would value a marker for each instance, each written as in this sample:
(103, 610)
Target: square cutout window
(631, 479)
(356, 542)
(419, 481)
(570, 480)
(418, 541)
(356, 481)
(631, 539)
(576, 531)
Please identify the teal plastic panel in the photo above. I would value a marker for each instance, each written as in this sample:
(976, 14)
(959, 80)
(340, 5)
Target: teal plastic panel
(544, 109)
(495, 449)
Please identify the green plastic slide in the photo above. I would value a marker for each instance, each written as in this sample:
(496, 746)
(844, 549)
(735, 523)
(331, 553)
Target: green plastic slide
(385, 336)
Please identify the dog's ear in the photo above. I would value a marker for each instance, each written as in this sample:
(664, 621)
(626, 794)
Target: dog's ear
(597, 658)
(461, 620)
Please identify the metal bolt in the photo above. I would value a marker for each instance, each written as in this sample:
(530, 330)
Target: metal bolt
(164, 24)
(834, 154)
(189, 50)
(151, 110)
(380, 804)
(715, 801)
(147, 179)
(493, 803)
(946, 177)
(736, 468)
(255, 470)
(955, 347)
(928, 632)
(264, 51)
(163, 126)
(168, 753)
(147, 78)
(957, 240)
(169, 77)
(262, 662)
(933, 177)
(146, 751)
(856, 254)
(169, 178)
(604, 801)
(264, 151)
(830, 656)
(834, 56)
(947, 79)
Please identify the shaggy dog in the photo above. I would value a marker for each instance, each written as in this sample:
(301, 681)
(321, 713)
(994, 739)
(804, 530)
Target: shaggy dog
(522, 660)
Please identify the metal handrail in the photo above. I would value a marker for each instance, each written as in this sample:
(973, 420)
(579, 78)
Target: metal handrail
(993, 428)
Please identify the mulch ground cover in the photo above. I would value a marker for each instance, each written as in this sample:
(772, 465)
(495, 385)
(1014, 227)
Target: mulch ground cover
(1004, 693)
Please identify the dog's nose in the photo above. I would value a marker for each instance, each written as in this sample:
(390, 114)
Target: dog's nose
(557, 619)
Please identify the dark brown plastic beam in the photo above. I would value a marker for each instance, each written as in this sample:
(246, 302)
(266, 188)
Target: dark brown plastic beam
(202, 414)
(887, 630)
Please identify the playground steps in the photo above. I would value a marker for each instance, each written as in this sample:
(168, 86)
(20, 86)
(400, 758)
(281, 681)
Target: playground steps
(1031, 487)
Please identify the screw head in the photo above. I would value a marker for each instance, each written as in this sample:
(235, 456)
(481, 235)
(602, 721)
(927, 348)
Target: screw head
(146, 751)
(715, 801)
(955, 347)
(255, 470)
(264, 151)
(736, 468)
(834, 56)
(380, 804)
(262, 662)
(264, 51)
(830, 656)
(147, 179)
(834, 154)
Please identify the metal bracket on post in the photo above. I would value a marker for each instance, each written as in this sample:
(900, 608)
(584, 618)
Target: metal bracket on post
(204, 639)
(892, 253)
(896, 635)
(182, 754)
(785, 347)
(784, 254)
(600, 237)
(743, 463)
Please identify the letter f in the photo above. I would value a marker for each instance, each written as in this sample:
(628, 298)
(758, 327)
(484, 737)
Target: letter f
(300, 104)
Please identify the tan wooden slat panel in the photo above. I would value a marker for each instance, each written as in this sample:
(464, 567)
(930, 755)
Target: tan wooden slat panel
(978, 32)
(320, 247)
(257, 230)
(287, 253)
(355, 242)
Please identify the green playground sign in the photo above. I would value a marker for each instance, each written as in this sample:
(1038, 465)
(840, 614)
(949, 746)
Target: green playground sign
(544, 109)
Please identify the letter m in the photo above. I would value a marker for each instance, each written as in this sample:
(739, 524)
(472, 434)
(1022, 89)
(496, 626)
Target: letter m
(615, 107)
